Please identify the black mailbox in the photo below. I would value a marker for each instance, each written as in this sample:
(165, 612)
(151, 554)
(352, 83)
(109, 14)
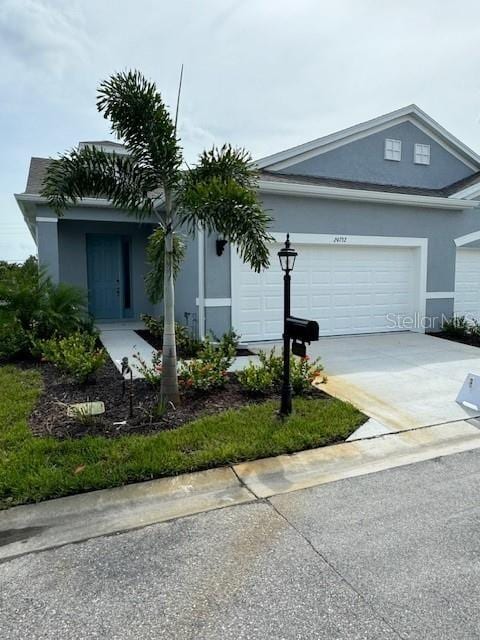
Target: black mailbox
(301, 329)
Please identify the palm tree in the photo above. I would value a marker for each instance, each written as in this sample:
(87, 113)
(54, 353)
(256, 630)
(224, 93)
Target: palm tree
(218, 194)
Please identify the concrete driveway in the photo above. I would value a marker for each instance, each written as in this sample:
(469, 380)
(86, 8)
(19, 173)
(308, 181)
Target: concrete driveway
(403, 380)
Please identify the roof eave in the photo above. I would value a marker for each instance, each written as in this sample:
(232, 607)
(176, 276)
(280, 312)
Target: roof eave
(341, 193)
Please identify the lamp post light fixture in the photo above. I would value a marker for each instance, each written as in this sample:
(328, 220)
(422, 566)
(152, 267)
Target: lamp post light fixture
(287, 256)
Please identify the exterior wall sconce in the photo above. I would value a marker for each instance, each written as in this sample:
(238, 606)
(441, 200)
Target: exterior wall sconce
(220, 246)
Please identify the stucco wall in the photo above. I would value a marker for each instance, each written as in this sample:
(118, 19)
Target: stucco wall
(363, 160)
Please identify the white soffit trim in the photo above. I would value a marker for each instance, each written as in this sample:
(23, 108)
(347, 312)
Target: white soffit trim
(341, 193)
(85, 202)
(411, 113)
(44, 219)
(440, 295)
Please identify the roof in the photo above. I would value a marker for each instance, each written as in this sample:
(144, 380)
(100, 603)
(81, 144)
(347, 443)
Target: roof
(100, 142)
(411, 113)
(291, 178)
(36, 174)
(38, 170)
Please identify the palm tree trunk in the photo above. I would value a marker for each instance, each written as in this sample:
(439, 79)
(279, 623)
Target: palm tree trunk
(169, 388)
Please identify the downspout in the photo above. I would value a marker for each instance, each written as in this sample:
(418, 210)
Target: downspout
(201, 283)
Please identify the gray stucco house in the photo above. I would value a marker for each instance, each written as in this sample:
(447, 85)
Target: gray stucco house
(384, 215)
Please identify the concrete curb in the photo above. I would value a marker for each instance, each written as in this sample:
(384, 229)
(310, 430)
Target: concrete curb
(36, 527)
(53, 523)
(273, 476)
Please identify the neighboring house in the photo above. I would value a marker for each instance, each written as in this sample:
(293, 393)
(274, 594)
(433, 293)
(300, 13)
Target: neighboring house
(384, 216)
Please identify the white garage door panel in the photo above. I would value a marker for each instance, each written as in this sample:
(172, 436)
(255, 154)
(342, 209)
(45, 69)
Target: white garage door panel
(467, 284)
(347, 289)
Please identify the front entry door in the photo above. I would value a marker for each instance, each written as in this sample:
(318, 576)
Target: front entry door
(104, 276)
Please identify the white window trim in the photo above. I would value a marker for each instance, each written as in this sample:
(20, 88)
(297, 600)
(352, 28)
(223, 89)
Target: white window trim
(333, 239)
(394, 150)
(417, 155)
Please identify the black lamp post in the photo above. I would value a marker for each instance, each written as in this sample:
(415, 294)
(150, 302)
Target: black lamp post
(287, 257)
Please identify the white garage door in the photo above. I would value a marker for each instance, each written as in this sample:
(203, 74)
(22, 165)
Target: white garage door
(467, 283)
(346, 289)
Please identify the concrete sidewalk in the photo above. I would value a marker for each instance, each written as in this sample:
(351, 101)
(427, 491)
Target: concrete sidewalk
(121, 339)
(50, 524)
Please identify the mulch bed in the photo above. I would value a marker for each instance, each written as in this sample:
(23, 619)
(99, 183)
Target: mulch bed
(50, 414)
(157, 344)
(472, 341)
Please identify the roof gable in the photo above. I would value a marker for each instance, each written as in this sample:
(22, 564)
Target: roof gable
(411, 113)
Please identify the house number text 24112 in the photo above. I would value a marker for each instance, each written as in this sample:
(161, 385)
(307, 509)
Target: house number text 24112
(339, 239)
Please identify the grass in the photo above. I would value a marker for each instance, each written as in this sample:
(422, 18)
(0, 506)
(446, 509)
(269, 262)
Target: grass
(34, 469)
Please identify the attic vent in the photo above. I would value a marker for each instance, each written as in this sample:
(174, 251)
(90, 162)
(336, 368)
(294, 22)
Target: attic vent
(393, 149)
(422, 154)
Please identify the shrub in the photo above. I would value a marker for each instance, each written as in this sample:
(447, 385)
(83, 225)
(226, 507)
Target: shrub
(456, 327)
(76, 355)
(256, 380)
(209, 370)
(303, 372)
(273, 363)
(40, 307)
(151, 372)
(187, 345)
(14, 341)
(199, 375)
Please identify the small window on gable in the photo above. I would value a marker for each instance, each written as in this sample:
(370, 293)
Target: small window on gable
(422, 154)
(393, 149)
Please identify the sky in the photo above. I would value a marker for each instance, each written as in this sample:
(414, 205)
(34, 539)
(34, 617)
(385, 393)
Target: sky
(261, 74)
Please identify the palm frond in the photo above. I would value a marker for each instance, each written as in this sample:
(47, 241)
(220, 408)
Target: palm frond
(156, 258)
(139, 116)
(90, 172)
(220, 195)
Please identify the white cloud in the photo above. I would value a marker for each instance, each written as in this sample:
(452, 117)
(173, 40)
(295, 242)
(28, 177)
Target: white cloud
(42, 36)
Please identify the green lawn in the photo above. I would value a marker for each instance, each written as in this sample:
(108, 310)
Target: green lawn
(34, 469)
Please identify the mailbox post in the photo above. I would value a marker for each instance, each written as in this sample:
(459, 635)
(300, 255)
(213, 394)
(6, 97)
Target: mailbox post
(287, 257)
(297, 329)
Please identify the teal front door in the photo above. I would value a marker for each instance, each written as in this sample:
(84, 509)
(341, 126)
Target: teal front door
(104, 271)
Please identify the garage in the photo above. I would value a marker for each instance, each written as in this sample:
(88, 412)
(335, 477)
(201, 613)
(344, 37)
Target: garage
(346, 289)
(467, 283)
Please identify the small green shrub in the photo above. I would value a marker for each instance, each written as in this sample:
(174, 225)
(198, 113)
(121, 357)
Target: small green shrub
(209, 370)
(256, 380)
(187, 345)
(229, 342)
(39, 307)
(273, 363)
(199, 375)
(76, 355)
(456, 327)
(151, 372)
(14, 341)
(303, 372)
